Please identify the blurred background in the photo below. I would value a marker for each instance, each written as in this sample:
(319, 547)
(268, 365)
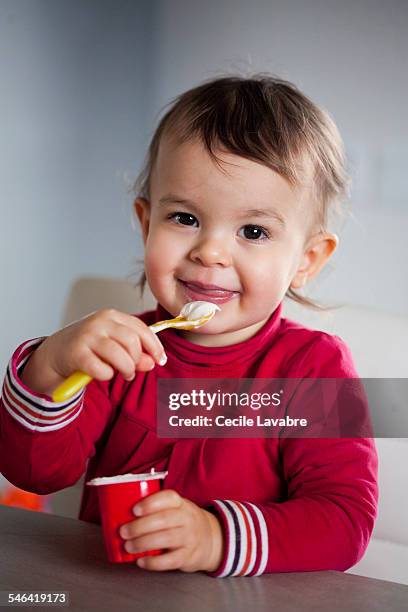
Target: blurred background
(82, 86)
(83, 83)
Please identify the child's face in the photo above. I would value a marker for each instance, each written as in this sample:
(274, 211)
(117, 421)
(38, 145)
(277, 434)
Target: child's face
(198, 227)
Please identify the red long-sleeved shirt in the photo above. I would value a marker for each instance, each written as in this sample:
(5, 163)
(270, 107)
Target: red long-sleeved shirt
(285, 504)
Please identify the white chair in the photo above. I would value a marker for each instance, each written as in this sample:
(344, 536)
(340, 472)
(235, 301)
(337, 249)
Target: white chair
(88, 294)
(378, 343)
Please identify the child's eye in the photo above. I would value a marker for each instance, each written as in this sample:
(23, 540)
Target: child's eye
(253, 232)
(182, 215)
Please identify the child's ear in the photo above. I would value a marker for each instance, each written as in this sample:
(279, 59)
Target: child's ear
(318, 250)
(142, 209)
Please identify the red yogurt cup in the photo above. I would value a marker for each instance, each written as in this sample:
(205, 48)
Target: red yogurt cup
(117, 496)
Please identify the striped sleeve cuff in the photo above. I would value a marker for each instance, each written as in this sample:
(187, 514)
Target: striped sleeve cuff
(246, 538)
(35, 411)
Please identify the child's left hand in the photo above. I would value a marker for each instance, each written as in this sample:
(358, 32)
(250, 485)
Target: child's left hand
(192, 536)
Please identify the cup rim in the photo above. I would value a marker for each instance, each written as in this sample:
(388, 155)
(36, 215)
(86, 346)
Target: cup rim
(125, 478)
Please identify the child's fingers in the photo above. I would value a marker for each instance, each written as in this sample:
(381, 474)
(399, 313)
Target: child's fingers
(146, 363)
(115, 355)
(168, 561)
(94, 366)
(167, 538)
(130, 340)
(162, 500)
(149, 341)
(158, 521)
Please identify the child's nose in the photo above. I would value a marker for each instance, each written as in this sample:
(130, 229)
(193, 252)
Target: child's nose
(210, 251)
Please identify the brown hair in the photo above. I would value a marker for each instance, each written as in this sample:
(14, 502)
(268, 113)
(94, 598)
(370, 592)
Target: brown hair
(264, 119)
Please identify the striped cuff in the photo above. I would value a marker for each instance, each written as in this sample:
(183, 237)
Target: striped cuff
(34, 410)
(246, 538)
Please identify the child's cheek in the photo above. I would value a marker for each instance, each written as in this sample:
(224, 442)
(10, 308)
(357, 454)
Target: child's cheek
(160, 264)
(153, 269)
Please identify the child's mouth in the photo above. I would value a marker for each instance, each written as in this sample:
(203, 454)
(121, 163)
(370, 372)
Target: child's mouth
(217, 296)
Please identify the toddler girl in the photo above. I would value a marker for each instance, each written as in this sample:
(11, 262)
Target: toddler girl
(233, 205)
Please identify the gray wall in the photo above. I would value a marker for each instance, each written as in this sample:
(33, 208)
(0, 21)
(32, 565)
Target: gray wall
(75, 80)
(82, 82)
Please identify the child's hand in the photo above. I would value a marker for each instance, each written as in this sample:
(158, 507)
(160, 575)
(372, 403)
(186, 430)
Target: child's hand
(98, 344)
(192, 535)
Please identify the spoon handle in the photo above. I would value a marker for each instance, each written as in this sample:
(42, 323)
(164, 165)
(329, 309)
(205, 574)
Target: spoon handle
(71, 385)
(160, 325)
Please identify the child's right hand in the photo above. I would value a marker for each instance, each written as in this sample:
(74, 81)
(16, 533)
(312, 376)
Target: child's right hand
(104, 341)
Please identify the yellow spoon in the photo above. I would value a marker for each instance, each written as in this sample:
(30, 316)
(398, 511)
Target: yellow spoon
(192, 315)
